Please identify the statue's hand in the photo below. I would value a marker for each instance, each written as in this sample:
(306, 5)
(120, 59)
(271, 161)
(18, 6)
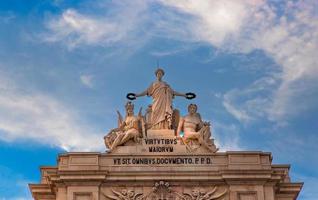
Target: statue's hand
(131, 96)
(190, 95)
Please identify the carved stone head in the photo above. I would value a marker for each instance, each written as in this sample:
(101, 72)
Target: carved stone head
(192, 108)
(195, 192)
(124, 192)
(159, 73)
(129, 108)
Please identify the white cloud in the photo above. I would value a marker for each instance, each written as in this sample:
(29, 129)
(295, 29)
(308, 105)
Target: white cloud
(289, 36)
(86, 29)
(286, 31)
(241, 115)
(250, 103)
(74, 28)
(226, 136)
(43, 119)
(163, 53)
(215, 20)
(87, 80)
(7, 17)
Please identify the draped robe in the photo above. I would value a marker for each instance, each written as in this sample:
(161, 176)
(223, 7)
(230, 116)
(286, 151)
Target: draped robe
(162, 95)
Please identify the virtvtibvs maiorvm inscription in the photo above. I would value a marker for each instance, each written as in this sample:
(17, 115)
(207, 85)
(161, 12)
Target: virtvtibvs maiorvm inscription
(159, 155)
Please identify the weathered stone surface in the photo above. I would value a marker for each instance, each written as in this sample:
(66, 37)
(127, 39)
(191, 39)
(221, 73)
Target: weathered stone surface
(241, 175)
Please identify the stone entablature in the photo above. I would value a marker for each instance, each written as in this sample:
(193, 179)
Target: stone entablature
(243, 175)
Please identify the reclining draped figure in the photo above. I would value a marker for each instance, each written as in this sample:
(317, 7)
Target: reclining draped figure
(128, 129)
(195, 130)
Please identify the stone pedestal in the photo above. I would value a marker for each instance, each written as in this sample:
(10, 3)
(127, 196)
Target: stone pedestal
(162, 168)
(165, 133)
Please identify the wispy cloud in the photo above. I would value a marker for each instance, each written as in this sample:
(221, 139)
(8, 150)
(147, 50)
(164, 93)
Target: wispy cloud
(75, 29)
(213, 21)
(163, 53)
(250, 103)
(87, 80)
(287, 32)
(6, 17)
(41, 118)
(241, 115)
(226, 136)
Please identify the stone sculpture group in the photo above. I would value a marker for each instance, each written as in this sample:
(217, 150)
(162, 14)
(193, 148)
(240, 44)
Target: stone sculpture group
(161, 115)
(159, 155)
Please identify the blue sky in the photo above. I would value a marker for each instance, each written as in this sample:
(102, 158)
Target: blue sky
(66, 66)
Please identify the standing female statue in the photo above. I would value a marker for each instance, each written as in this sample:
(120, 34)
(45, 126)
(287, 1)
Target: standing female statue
(162, 95)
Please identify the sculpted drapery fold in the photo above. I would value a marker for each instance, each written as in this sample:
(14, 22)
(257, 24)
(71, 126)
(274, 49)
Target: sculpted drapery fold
(162, 95)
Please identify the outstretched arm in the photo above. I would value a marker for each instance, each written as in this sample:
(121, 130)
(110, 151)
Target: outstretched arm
(188, 95)
(133, 96)
(175, 93)
(144, 93)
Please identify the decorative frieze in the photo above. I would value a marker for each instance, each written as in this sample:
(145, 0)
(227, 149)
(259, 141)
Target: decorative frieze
(162, 190)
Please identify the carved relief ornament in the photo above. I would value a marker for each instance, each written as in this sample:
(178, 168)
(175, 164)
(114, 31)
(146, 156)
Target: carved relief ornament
(163, 191)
